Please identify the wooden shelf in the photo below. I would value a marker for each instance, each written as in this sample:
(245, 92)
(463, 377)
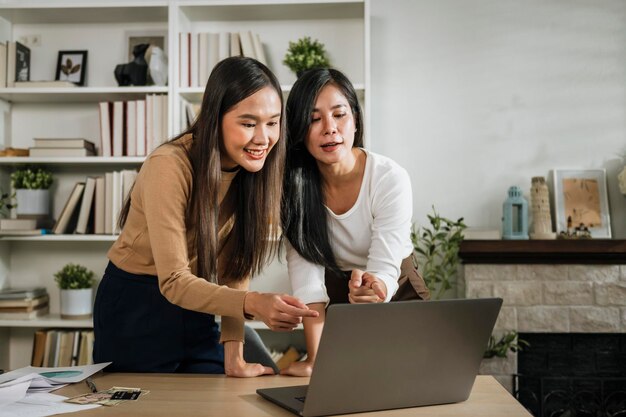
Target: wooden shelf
(51, 320)
(588, 251)
(55, 95)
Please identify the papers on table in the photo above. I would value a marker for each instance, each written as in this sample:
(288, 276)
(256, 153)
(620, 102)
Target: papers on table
(40, 405)
(25, 385)
(53, 378)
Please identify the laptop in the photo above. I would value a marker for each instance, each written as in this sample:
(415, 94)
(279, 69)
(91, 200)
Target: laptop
(393, 355)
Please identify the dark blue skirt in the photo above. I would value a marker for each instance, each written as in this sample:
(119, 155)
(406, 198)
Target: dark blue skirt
(139, 330)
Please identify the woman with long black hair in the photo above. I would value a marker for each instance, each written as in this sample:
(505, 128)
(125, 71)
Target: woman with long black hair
(346, 211)
(196, 227)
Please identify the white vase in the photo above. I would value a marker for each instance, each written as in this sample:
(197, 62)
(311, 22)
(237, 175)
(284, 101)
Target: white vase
(76, 304)
(33, 202)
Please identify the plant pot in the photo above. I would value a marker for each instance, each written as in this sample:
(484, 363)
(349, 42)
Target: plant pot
(33, 202)
(76, 304)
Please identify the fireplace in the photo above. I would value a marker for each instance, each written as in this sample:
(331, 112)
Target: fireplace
(572, 374)
(568, 300)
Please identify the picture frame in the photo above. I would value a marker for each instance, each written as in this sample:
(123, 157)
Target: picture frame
(581, 199)
(72, 66)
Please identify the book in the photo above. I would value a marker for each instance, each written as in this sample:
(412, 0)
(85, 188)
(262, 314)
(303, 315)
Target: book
(99, 206)
(118, 128)
(21, 293)
(247, 44)
(75, 346)
(108, 203)
(51, 338)
(105, 128)
(140, 135)
(10, 64)
(26, 302)
(68, 216)
(39, 346)
(258, 49)
(64, 143)
(131, 128)
(86, 204)
(18, 224)
(65, 348)
(3, 65)
(26, 315)
(33, 232)
(46, 83)
(22, 62)
(235, 44)
(60, 152)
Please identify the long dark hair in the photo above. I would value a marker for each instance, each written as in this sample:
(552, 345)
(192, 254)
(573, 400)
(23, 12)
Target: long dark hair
(257, 194)
(304, 217)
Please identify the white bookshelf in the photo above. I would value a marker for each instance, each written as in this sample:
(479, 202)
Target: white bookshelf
(102, 27)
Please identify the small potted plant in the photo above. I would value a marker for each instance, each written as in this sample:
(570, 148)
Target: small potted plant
(305, 54)
(32, 191)
(76, 285)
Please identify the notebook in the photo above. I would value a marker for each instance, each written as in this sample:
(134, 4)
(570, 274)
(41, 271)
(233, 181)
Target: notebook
(393, 355)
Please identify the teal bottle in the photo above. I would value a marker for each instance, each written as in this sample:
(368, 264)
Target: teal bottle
(515, 215)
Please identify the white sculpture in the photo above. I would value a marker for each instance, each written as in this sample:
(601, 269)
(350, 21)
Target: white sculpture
(157, 65)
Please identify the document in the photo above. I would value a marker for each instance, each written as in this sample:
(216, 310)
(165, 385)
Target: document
(16, 385)
(40, 405)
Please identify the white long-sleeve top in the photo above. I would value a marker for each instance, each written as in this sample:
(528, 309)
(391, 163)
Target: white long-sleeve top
(374, 235)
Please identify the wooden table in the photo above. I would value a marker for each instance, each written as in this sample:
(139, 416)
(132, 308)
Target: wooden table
(208, 395)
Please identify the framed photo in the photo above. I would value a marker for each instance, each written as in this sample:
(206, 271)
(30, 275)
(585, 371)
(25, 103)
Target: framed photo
(581, 199)
(72, 66)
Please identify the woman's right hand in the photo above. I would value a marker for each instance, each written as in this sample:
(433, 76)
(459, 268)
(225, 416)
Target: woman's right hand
(280, 312)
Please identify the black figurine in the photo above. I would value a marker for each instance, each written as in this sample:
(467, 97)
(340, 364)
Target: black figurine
(136, 71)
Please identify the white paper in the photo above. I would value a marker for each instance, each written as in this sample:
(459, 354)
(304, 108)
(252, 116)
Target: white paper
(55, 376)
(40, 405)
(13, 393)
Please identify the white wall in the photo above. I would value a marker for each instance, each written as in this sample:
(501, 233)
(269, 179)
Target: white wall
(475, 96)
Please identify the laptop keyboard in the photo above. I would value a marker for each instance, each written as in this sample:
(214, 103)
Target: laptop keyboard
(301, 399)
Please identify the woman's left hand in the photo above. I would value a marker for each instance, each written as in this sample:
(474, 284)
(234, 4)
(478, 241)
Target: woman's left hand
(366, 288)
(235, 365)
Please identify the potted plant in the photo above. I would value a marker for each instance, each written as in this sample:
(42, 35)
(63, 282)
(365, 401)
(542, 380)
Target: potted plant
(437, 250)
(32, 191)
(76, 285)
(305, 54)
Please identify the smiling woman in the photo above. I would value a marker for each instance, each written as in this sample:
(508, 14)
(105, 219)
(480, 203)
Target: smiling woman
(250, 130)
(194, 229)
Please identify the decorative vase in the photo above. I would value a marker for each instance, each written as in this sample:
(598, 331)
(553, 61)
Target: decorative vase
(33, 202)
(540, 208)
(76, 304)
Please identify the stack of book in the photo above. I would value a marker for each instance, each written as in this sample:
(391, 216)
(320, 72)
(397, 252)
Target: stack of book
(23, 303)
(24, 227)
(53, 348)
(93, 205)
(133, 127)
(199, 52)
(62, 147)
